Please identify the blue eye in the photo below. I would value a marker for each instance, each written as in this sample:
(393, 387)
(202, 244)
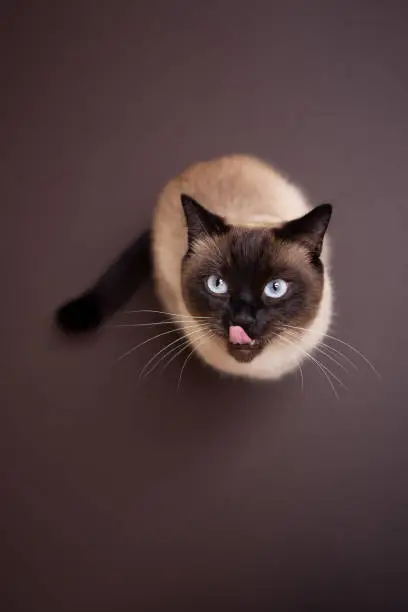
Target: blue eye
(216, 285)
(276, 288)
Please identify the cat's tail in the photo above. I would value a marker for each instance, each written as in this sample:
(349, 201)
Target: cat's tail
(111, 291)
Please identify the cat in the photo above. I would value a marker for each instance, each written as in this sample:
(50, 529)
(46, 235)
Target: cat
(239, 258)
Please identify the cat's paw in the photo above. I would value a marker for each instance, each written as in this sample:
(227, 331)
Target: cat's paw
(80, 315)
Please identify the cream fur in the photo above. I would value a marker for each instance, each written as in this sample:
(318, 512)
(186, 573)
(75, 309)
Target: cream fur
(246, 192)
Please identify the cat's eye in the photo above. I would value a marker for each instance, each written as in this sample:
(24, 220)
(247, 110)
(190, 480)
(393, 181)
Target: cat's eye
(276, 288)
(216, 285)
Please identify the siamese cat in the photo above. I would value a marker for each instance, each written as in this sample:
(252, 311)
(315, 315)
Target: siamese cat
(238, 258)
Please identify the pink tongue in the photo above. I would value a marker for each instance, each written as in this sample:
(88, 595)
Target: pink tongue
(238, 336)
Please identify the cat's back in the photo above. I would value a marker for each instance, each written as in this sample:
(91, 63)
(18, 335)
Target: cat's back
(243, 189)
(237, 187)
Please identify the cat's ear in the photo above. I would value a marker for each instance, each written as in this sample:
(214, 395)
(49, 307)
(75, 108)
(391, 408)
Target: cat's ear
(308, 230)
(201, 222)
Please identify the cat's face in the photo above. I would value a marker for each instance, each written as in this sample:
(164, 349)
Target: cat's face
(251, 283)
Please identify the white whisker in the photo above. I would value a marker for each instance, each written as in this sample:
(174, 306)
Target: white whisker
(324, 369)
(146, 370)
(326, 373)
(339, 353)
(302, 382)
(178, 322)
(350, 346)
(179, 351)
(171, 331)
(162, 312)
(333, 359)
(320, 350)
(207, 339)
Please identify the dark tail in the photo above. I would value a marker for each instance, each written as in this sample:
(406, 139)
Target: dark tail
(111, 291)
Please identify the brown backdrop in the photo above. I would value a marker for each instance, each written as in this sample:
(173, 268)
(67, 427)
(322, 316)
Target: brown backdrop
(118, 496)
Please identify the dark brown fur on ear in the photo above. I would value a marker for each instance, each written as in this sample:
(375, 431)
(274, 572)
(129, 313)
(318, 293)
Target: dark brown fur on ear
(200, 222)
(308, 230)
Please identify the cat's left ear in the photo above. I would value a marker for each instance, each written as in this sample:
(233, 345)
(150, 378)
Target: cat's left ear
(201, 222)
(308, 230)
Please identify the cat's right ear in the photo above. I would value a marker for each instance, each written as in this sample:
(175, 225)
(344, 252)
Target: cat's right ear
(200, 222)
(308, 230)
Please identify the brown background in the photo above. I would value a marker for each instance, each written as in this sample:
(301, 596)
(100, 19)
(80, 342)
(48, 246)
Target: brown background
(118, 496)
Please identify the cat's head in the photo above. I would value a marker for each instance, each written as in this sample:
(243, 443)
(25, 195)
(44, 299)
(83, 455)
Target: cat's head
(251, 283)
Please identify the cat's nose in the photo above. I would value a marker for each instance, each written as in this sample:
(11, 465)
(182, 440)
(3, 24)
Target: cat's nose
(241, 310)
(242, 313)
(243, 319)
